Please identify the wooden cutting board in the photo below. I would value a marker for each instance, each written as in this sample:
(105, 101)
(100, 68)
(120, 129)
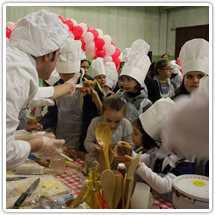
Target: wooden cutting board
(48, 186)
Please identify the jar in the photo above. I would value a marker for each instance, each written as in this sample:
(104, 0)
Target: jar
(58, 163)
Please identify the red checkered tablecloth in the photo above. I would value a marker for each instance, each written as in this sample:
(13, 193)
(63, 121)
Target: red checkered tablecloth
(74, 178)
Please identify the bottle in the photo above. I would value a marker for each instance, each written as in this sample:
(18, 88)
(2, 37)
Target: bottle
(122, 169)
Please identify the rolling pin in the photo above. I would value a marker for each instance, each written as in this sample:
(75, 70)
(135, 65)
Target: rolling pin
(74, 165)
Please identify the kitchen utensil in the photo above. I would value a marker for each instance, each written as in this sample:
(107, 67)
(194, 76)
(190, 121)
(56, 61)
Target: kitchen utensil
(129, 182)
(66, 157)
(108, 184)
(27, 193)
(132, 166)
(74, 165)
(46, 202)
(103, 133)
(78, 199)
(103, 137)
(118, 188)
(15, 178)
(41, 162)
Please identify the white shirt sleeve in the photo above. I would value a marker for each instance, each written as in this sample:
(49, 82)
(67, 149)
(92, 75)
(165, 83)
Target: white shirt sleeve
(156, 182)
(21, 87)
(42, 97)
(144, 158)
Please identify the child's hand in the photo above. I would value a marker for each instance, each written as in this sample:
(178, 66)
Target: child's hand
(91, 91)
(128, 162)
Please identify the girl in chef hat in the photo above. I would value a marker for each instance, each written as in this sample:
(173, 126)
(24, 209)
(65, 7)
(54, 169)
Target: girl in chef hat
(133, 75)
(71, 116)
(158, 168)
(113, 112)
(194, 58)
(85, 63)
(162, 73)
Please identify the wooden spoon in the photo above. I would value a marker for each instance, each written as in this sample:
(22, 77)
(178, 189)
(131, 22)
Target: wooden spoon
(132, 166)
(103, 137)
(118, 189)
(108, 184)
(130, 183)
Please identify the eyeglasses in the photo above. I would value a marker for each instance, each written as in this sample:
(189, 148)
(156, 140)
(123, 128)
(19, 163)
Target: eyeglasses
(168, 69)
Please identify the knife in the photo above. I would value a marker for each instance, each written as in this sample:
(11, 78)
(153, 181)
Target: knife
(15, 178)
(27, 193)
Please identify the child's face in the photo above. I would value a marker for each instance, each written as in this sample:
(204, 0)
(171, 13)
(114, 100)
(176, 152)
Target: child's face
(66, 76)
(85, 65)
(129, 84)
(137, 136)
(112, 118)
(101, 79)
(165, 72)
(191, 80)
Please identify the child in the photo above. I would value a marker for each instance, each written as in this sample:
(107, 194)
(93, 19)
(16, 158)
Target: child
(141, 139)
(85, 64)
(68, 115)
(98, 72)
(133, 76)
(163, 72)
(113, 111)
(159, 168)
(194, 57)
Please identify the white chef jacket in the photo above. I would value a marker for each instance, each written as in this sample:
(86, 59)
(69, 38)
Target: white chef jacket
(21, 87)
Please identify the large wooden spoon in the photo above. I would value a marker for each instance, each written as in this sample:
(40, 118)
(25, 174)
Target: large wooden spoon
(108, 184)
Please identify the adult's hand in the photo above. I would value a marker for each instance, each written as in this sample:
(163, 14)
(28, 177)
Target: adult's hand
(46, 147)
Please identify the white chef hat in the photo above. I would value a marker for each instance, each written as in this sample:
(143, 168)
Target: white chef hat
(70, 58)
(83, 56)
(204, 85)
(39, 33)
(175, 67)
(153, 118)
(98, 67)
(194, 56)
(125, 54)
(54, 77)
(112, 74)
(137, 67)
(140, 46)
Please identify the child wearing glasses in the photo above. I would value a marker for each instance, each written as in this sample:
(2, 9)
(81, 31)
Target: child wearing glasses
(163, 72)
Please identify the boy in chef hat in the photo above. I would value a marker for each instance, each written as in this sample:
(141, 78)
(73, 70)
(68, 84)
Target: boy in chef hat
(70, 118)
(98, 71)
(194, 58)
(157, 168)
(133, 75)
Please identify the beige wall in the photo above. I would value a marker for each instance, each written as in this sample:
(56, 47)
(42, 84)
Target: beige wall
(126, 24)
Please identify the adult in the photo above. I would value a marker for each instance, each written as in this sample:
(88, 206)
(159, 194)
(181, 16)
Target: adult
(32, 52)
